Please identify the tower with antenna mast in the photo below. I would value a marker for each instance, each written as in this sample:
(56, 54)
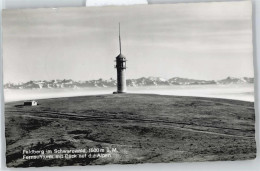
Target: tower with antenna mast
(120, 67)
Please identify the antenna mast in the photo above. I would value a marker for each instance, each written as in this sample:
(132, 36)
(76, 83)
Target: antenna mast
(119, 39)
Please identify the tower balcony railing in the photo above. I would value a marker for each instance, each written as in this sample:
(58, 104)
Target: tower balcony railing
(120, 67)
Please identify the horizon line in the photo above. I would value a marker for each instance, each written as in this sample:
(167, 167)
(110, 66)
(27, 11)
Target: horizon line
(166, 79)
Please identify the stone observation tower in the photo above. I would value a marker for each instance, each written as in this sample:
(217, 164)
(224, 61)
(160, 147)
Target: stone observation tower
(120, 67)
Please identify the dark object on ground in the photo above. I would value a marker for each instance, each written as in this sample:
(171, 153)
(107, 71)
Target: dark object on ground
(30, 103)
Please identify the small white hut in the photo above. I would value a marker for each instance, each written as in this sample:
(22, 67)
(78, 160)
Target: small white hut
(30, 103)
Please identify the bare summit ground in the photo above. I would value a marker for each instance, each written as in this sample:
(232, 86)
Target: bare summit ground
(143, 128)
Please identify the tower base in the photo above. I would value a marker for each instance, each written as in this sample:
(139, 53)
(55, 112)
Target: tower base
(116, 92)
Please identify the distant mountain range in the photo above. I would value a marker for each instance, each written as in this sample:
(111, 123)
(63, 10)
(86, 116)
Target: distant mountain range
(144, 81)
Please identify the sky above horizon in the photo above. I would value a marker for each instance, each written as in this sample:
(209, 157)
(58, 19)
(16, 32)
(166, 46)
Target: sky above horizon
(193, 40)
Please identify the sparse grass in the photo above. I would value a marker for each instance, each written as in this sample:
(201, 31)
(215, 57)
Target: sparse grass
(144, 128)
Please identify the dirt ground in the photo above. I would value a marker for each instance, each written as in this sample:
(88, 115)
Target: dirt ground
(141, 129)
